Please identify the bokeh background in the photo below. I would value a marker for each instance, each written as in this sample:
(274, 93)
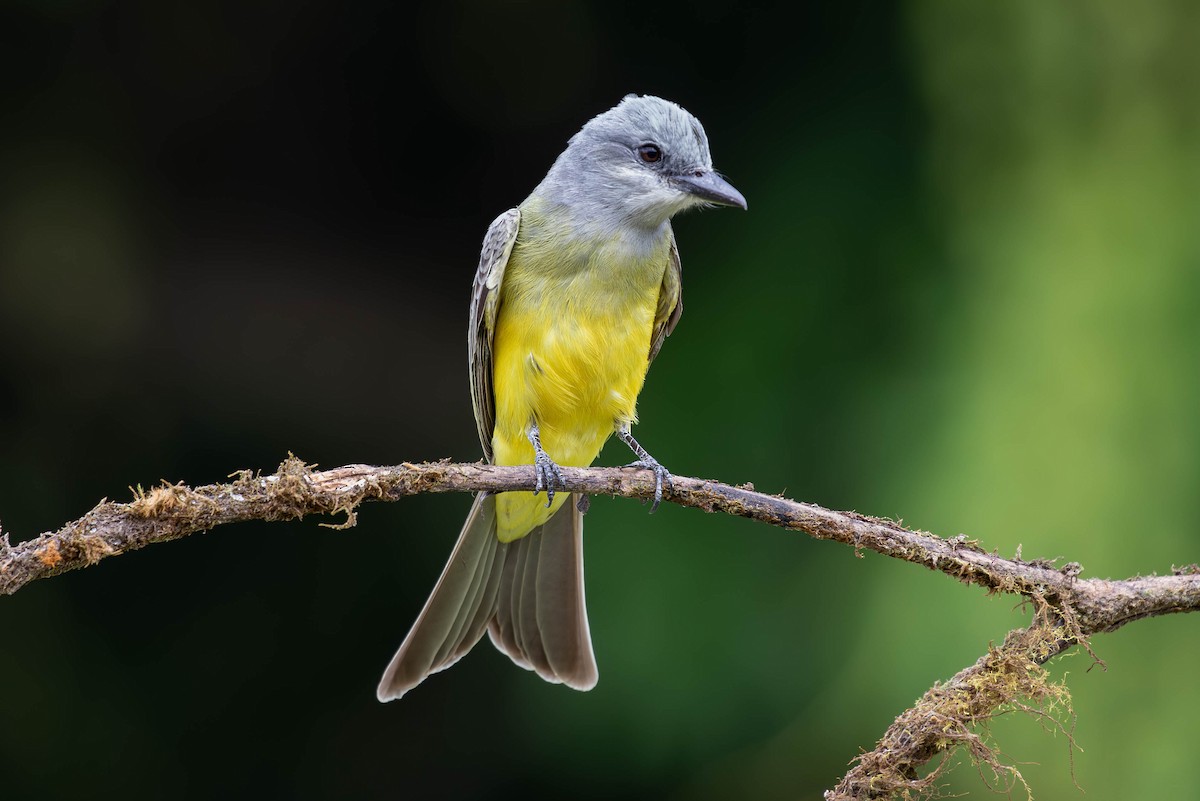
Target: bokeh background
(966, 295)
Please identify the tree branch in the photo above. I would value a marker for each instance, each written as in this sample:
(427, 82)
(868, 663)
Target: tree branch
(1070, 609)
(942, 718)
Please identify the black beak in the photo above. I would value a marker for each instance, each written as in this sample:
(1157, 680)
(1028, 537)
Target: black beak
(711, 187)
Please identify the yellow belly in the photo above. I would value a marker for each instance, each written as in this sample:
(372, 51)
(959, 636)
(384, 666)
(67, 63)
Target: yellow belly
(571, 357)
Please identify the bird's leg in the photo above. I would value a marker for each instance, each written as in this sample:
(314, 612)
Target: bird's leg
(547, 472)
(646, 462)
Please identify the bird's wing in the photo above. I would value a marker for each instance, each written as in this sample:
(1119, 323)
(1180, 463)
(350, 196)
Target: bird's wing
(485, 305)
(670, 301)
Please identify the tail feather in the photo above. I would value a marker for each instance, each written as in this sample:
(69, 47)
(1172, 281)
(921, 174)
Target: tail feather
(525, 600)
(473, 602)
(541, 620)
(519, 554)
(528, 594)
(503, 621)
(436, 639)
(486, 609)
(561, 611)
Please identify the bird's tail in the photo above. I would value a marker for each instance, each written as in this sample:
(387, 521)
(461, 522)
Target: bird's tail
(528, 594)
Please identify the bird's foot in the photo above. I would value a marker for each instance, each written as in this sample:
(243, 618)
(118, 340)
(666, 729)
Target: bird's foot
(661, 476)
(646, 462)
(548, 473)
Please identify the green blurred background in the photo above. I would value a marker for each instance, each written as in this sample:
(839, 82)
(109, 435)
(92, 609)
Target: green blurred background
(965, 295)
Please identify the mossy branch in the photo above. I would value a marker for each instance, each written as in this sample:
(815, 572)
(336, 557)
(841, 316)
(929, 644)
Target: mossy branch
(952, 714)
(1069, 609)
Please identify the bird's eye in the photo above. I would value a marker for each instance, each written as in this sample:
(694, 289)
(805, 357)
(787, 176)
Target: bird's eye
(650, 153)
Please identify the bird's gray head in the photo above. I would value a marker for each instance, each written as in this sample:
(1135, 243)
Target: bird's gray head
(638, 163)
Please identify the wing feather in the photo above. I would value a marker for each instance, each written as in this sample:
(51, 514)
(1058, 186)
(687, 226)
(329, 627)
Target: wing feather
(670, 301)
(485, 305)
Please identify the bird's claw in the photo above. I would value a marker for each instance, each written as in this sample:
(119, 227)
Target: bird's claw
(661, 476)
(548, 475)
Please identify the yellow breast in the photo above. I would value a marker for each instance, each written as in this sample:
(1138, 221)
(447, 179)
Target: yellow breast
(571, 349)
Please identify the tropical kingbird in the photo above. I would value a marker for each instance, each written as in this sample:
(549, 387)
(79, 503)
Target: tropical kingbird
(576, 290)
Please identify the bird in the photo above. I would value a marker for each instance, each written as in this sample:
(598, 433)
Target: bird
(576, 290)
